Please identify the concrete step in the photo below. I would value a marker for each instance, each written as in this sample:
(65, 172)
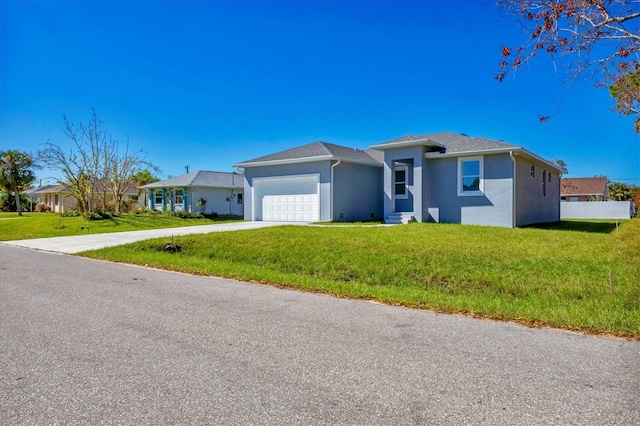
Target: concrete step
(399, 218)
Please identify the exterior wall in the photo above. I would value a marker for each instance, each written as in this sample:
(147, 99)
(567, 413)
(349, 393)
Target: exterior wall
(219, 200)
(322, 168)
(443, 204)
(64, 202)
(416, 155)
(592, 197)
(357, 192)
(532, 206)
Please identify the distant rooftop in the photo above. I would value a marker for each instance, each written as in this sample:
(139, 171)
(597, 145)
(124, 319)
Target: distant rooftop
(201, 178)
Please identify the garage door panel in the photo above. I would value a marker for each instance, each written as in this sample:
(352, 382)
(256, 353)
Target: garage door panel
(291, 199)
(294, 208)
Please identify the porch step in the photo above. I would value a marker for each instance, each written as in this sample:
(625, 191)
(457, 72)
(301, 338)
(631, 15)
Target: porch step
(399, 218)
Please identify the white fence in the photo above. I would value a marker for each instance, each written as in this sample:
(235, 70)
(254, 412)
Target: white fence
(596, 210)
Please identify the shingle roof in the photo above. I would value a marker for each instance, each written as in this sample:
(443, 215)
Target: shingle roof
(53, 189)
(201, 178)
(584, 186)
(40, 189)
(452, 142)
(320, 149)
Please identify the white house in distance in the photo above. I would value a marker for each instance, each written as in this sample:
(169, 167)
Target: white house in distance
(223, 191)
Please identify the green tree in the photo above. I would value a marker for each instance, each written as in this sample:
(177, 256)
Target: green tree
(620, 191)
(16, 173)
(144, 177)
(598, 36)
(8, 201)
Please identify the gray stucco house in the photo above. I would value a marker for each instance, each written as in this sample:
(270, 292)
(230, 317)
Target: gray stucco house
(223, 192)
(443, 177)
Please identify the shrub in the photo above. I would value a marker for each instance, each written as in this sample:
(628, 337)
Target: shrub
(70, 213)
(100, 215)
(40, 208)
(186, 215)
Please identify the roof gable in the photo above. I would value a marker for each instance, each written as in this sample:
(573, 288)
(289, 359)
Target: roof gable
(316, 150)
(447, 141)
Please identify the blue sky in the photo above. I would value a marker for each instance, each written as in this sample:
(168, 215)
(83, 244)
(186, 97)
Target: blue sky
(211, 83)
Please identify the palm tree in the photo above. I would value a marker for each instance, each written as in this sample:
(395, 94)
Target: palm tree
(620, 191)
(16, 173)
(144, 177)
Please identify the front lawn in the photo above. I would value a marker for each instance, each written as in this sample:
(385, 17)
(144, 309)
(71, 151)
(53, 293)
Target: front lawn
(43, 225)
(557, 277)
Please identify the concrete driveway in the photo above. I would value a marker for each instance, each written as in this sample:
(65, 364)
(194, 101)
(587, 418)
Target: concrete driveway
(80, 243)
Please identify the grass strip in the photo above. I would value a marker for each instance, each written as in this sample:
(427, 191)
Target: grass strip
(45, 225)
(556, 277)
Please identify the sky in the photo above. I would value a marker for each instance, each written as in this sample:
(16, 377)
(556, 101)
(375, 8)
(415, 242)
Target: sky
(207, 84)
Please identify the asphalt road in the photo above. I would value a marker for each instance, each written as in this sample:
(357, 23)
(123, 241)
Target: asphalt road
(90, 342)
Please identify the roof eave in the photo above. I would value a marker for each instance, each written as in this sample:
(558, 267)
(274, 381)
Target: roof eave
(516, 149)
(285, 161)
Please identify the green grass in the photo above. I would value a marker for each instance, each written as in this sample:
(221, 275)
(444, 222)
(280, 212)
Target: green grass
(555, 277)
(43, 225)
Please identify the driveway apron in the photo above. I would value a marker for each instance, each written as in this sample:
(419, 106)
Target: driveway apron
(80, 243)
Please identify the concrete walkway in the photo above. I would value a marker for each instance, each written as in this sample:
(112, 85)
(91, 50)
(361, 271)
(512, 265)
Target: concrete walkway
(80, 243)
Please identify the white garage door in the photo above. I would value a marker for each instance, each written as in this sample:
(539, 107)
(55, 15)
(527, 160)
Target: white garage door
(287, 199)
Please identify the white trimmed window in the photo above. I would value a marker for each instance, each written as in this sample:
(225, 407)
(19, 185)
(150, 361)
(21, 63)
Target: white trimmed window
(470, 176)
(400, 180)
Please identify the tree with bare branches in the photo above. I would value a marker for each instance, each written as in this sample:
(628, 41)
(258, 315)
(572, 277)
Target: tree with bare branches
(601, 37)
(94, 166)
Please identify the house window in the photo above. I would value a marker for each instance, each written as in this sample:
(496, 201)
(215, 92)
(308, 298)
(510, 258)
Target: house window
(239, 198)
(158, 197)
(544, 183)
(549, 175)
(470, 176)
(178, 197)
(533, 171)
(400, 182)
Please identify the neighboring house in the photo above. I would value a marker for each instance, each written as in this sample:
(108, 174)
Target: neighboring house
(59, 198)
(223, 192)
(315, 182)
(34, 194)
(443, 177)
(584, 189)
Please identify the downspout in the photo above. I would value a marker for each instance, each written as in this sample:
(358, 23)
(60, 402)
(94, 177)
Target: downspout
(513, 191)
(331, 198)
